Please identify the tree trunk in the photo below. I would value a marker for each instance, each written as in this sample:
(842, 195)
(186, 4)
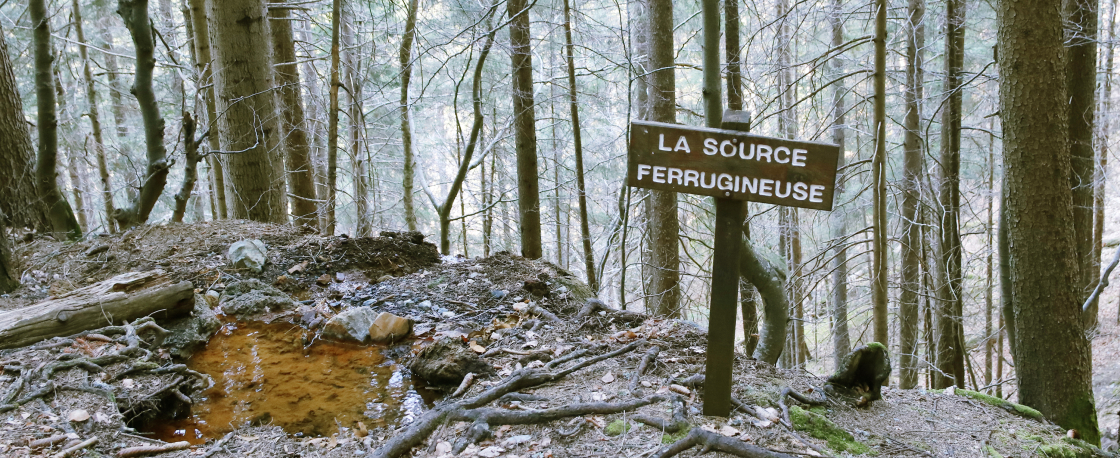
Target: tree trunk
(9, 276)
(406, 127)
(879, 174)
(94, 120)
(1101, 176)
(248, 127)
(292, 124)
(841, 342)
(58, 210)
(20, 205)
(735, 102)
(528, 190)
(1052, 355)
(913, 171)
(664, 258)
(363, 226)
(136, 18)
(1081, 85)
(765, 271)
(332, 121)
(204, 67)
(125, 297)
(989, 341)
(190, 168)
(950, 356)
(581, 186)
(444, 209)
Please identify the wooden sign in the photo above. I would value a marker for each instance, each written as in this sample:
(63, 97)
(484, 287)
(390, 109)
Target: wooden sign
(732, 165)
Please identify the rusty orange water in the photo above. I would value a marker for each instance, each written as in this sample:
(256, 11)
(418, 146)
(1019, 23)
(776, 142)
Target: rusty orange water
(263, 374)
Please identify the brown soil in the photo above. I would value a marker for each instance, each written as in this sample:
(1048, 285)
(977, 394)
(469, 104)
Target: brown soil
(329, 399)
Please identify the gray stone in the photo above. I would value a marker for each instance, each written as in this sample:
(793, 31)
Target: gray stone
(248, 254)
(447, 361)
(389, 328)
(190, 333)
(254, 297)
(350, 325)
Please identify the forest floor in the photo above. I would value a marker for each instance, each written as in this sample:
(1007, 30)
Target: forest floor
(267, 384)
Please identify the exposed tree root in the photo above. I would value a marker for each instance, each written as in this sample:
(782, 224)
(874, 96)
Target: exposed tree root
(670, 425)
(595, 305)
(648, 359)
(423, 427)
(787, 391)
(152, 449)
(710, 441)
(484, 418)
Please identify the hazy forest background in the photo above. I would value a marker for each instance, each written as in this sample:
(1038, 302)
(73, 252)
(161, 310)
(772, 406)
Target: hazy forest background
(503, 127)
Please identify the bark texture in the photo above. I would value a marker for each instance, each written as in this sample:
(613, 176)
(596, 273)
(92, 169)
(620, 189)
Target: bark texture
(292, 124)
(879, 175)
(205, 76)
(664, 295)
(913, 168)
(1081, 84)
(136, 18)
(949, 355)
(9, 276)
(406, 127)
(20, 205)
(248, 127)
(46, 162)
(1052, 354)
(841, 342)
(528, 189)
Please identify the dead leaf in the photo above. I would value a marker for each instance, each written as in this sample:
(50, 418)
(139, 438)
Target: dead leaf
(78, 415)
(679, 389)
(443, 448)
(297, 268)
(608, 378)
(728, 431)
(477, 348)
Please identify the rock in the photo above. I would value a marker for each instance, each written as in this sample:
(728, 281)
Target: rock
(446, 362)
(350, 325)
(212, 298)
(248, 254)
(191, 332)
(389, 328)
(253, 297)
(323, 280)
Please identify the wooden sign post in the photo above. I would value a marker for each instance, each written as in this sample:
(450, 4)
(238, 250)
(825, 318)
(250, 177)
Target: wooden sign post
(733, 166)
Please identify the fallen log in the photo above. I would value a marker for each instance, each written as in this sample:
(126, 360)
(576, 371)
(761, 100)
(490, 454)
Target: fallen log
(125, 297)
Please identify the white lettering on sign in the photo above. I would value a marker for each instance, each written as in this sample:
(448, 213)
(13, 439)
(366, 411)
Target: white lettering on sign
(800, 191)
(754, 151)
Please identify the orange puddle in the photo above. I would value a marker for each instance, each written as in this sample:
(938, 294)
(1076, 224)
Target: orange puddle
(264, 375)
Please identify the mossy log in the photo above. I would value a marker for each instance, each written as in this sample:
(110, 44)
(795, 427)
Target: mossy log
(122, 298)
(866, 368)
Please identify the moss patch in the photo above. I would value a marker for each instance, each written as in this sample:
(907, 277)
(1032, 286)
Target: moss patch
(1061, 448)
(670, 438)
(1017, 409)
(617, 428)
(991, 451)
(819, 427)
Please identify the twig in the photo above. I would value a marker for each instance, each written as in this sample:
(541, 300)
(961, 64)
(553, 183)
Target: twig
(76, 448)
(651, 355)
(149, 449)
(46, 441)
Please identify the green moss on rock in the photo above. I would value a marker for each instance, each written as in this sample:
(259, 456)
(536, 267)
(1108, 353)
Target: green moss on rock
(617, 428)
(819, 427)
(1017, 409)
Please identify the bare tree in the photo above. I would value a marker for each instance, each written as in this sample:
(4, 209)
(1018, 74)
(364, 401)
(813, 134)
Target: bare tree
(1081, 84)
(94, 120)
(20, 205)
(528, 189)
(58, 210)
(664, 295)
(406, 126)
(879, 175)
(292, 123)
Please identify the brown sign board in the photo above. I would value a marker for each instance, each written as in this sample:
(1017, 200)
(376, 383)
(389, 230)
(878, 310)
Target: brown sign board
(732, 164)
